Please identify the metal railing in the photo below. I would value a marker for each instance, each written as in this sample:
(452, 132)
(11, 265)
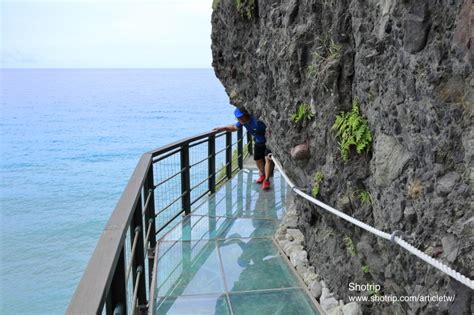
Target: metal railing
(165, 185)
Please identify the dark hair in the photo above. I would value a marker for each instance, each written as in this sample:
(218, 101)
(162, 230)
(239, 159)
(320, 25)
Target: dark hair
(244, 111)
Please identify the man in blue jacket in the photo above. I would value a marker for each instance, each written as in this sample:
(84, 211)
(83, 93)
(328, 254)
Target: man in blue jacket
(260, 154)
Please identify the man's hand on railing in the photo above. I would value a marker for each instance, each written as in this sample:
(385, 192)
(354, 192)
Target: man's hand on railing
(230, 128)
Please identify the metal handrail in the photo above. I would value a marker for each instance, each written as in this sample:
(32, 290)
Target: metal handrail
(105, 280)
(180, 143)
(98, 278)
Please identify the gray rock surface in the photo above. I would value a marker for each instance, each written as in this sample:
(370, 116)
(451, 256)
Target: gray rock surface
(389, 159)
(294, 250)
(410, 63)
(336, 311)
(299, 258)
(316, 289)
(309, 277)
(450, 247)
(327, 300)
(352, 309)
(291, 221)
(446, 183)
(294, 235)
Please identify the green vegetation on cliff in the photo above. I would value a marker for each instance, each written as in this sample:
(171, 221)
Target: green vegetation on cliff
(352, 130)
(317, 180)
(325, 53)
(303, 114)
(364, 197)
(246, 8)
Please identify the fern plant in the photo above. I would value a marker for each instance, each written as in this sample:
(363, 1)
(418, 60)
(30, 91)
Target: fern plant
(318, 179)
(303, 113)
(351, 249)
(352, 130)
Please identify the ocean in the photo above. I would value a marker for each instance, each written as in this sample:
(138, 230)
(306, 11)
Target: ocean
(70, 140)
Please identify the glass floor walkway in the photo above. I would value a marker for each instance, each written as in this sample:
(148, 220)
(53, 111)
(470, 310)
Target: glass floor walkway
(221, 259)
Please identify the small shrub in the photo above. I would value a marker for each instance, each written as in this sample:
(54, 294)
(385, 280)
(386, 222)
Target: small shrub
(326, 52)
(352, 130)
(365, 268)
(415, 188)
(245, 8)
(215, 4)
(351, 249)
(312, 69)
(318, 179)
(326, 3)
(365, 197)
(373, 291)
(302, 114)
(233, 94)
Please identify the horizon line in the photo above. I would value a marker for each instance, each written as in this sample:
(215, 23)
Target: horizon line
(106, 68)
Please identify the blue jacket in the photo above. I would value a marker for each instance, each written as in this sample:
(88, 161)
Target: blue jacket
(256, 128)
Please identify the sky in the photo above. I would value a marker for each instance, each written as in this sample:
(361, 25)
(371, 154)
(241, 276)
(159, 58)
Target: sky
(105, 34)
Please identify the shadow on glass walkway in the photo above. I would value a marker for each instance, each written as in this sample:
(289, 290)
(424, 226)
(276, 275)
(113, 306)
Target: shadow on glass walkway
(221, 259)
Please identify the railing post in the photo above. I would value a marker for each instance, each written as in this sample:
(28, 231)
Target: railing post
(228, 201)
(150, 217)
(136, 227)
(248, 192)
(117, 293)
(240, 148)
(211, 209)
(228, 154)
(240, 193)
(185, 181)
(212, 163)
(249, 143)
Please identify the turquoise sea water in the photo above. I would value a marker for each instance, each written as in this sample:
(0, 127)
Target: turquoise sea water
(70, 139)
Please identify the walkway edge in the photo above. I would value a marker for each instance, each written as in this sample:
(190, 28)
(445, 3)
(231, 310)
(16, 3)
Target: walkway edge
(298, 276)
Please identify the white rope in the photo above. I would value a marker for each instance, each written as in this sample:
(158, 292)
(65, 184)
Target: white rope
(391, 237)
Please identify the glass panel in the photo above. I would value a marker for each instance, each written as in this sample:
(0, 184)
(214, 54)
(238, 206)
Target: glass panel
(246, 199)
(217, 205)
(187, 268)
(254, 264)
(249, 228)
(195, 228)
(294, 302)
(193, 305)
(192, 270)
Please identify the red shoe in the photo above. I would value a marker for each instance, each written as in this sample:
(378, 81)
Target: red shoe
(261, 179)
(266, 185)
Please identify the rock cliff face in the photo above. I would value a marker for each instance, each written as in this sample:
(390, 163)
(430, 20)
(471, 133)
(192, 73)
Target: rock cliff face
(409, 63)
